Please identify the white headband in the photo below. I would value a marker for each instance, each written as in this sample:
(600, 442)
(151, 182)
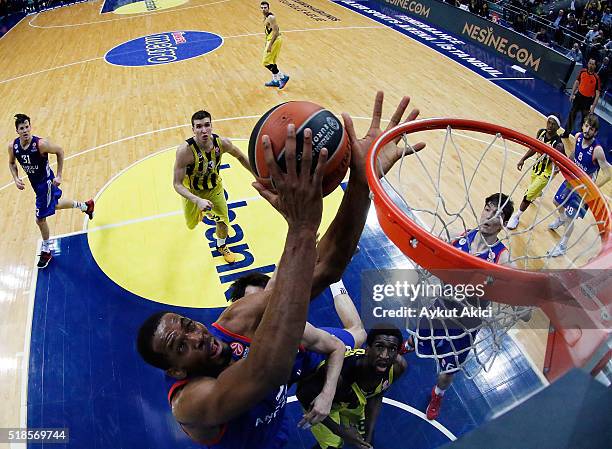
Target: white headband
(554, 117)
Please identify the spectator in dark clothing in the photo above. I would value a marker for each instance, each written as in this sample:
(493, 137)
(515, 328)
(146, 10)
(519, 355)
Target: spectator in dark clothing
(572, 24)
(520, 23)
(541, 36)
(575, 54)
(604, 73)
(558, 22)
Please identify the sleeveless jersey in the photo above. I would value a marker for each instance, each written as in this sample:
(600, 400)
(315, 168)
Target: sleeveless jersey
(491, 254)
(544, 165)
(203, 174)
(583, 157)
(348, 374)
(33, 163)
(263, 425)
(268, 30)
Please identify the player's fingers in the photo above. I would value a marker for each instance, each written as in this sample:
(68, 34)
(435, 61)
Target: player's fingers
(377, 112)
(411, 116)
(350, 129)
(416, 147)
(317, 178)
(399, 111)
(290, 150)
(273, 167)
(317, 419)
(265, 193)
(306, 162)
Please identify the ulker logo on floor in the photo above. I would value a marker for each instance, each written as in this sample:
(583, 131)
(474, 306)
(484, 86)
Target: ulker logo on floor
(163, 48)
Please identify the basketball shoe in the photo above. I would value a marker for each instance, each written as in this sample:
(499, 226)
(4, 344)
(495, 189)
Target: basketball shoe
(283, 81)
(229, 256)
(90, 208)
(558, 250)
(513, 222)
(433, 408)
(45, 258)
(272, 83)
(557, 223)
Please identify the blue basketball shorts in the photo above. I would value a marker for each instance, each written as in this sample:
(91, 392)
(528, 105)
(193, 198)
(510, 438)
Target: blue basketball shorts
(451, 351)
(572, 201)
(47, 196)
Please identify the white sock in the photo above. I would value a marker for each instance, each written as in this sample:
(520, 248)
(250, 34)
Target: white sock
(220, 242)
(79, 205)
(518, 213)
(275, 77)
(439, 391)
(338, 288)
(563, 241)
(280, 75)
(45, 245)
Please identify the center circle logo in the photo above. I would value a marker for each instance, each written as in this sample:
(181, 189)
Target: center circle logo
(163, 48)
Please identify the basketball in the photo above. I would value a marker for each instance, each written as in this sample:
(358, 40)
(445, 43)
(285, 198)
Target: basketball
(327, 132)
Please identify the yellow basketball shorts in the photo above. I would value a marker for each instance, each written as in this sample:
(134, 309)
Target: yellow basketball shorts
(344, 416)
(270, 58)
(219, 213)
(538, 182)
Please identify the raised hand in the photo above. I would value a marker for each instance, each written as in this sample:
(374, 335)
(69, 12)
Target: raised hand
(298, 195)
(391, 153)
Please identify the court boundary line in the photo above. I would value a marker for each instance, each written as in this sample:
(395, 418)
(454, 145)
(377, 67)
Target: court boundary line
(169, 128)
(25, 362)
(153, 65)
(512, 334)
(407, 408)
(50, 69)
(508, 79)
(441, 54)
(135, 16)
(14, 26)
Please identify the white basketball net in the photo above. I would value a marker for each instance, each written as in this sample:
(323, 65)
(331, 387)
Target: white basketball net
(443, 189)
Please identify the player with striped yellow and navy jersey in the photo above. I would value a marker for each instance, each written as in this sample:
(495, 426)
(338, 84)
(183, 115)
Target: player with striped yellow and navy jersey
(198, 181)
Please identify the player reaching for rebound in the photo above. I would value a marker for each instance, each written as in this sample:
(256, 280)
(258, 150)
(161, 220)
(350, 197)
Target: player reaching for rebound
(272, 48)
(460, 333)
(32, 152)
(544, 168)
(589, 156)
(244, 402)
(198, 181)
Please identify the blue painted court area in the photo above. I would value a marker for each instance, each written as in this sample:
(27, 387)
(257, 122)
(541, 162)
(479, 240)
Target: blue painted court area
(85, 374)
(535, 92)
(111, 5)
(163, 48)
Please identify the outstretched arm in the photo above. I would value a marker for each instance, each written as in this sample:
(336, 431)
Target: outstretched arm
(210, 402)
(232, 149)
(322, 342)
(530, 152)
(337, 246)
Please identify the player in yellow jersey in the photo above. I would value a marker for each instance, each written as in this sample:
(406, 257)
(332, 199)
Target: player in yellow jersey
(272, 48)
(366, 376)
(198, 181)
(543, 169)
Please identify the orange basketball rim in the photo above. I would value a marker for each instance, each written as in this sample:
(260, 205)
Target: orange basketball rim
(507, 284)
